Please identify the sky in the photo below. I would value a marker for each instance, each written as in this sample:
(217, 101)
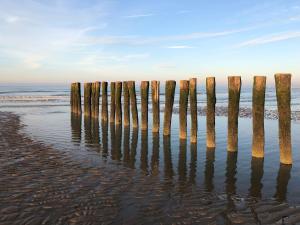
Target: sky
(74, 40)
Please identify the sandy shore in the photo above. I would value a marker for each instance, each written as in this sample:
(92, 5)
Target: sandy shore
(40, 185)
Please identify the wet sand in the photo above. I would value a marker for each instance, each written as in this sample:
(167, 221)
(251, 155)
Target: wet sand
(41, 185)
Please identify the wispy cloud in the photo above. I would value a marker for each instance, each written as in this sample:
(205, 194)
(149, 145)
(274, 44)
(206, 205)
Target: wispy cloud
(135, 16)
(179, 47)
(269, 39)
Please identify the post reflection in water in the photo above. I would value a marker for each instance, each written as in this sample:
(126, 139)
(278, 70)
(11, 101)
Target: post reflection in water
(257, 172)
(87, 130)
(134, 142)
(209, 169)
(182, 163)
(231, 171)
(155, 154)
(95, 133)
(117, 155)
(193, 163)
(283, 177)
(76, 127)
(144, 151)
(104, 131)
(112, 140)
(126, 149)
(168, 167)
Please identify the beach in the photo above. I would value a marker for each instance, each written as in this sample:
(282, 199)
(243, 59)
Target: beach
(40, 185)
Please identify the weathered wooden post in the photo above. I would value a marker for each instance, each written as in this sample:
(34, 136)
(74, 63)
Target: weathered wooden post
(169, 101)
(210, 112)
(134, 112)
(118, 102)
(283, 93)
(112, 102)
(144, 104)
(104, 109)
(87, 99)
(193, 109)
(155, 105)
(95, 99)
(76, 98)
(183, 103)
(234, 90)
(126, 104)
(258, 114)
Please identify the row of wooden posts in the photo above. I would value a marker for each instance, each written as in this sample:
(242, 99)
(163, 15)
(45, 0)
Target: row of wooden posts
(188, 93)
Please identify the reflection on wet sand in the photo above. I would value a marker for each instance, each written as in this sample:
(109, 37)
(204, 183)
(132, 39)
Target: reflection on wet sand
(209, 169)
(87, 131)
(117, 153)
(144, 152)
(104, 131)
(283, 177)
(155, 154)
(257, 172)
(76, 127)
(133, 147)
(182, 163)
(193, 163)
(125, 149)
(168, 167)
(230, 182)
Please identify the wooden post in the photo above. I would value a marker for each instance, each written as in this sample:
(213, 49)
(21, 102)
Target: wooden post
(183, 103)
(72, 96)
(126, 104)
(104, 109)
(75, 98)
(112, 102)
(193, 109)
(234, 90)
(283, 93)
(258, 114)
(118, 102)
(144, 104)
(169, 101)
(87, 99)
(134, 112)
(155, 105)
(210, 112)
(95, 99)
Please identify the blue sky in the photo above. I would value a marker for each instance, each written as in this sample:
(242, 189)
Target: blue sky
(75, 40)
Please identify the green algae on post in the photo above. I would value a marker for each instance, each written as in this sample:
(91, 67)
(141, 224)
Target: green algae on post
(112, 102)
(133, 103)
(104, 108)
(193, 109)
(118, 102)
(95, 99)
(155, 105)
(87, 99)
(283, 93)
(210, 112)
(234, 91)
(126, 104)
(183, 103)
(258, 114)
(169, 101)
(144, 104)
